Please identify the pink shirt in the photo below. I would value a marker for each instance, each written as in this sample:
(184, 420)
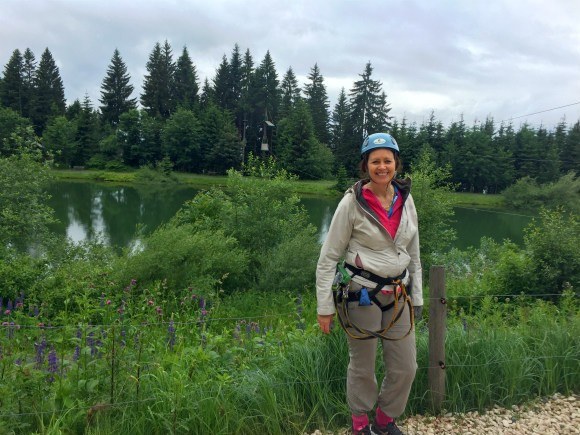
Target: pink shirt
(391, 224)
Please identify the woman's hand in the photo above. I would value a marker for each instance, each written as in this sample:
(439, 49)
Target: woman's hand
(325, 322)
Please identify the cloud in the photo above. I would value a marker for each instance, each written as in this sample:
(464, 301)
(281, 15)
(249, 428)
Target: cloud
(503, 58)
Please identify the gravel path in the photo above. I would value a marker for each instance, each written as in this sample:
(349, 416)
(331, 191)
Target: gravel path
(556, 415)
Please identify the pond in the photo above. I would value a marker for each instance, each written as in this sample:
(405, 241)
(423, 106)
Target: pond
(118, 214)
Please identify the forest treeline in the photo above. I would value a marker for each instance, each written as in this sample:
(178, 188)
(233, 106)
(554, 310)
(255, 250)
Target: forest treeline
(247, 107)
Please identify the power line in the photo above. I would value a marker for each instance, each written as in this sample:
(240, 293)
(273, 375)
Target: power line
(541, 111)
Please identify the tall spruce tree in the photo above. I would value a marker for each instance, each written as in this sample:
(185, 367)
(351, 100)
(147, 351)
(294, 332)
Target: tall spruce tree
(221, 85)
(236, 63)
(49, 99)
(570, 154)
(116, 91)
(368, 104)
(87, 133)
(247, 74)
(289, 93)
(341, 135)
(265, 94)
(158, 97)
(186, 82)
(13, 83)
(319, 105)
(28, 83)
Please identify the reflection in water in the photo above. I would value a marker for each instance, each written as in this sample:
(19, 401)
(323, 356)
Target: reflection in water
(120, 215)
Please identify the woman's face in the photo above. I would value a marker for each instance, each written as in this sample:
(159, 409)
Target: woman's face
(381, 166)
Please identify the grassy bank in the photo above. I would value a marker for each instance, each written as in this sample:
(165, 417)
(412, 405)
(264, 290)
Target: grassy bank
(303, 187)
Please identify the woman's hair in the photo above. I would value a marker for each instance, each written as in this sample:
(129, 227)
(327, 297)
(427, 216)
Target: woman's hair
(364, 163)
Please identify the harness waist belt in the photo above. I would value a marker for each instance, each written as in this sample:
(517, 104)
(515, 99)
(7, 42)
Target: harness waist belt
(379, 280)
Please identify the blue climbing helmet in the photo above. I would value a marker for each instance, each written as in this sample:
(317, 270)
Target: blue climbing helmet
(379, 140)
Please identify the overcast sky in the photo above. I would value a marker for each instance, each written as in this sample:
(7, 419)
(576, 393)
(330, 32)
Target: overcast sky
(504, 58)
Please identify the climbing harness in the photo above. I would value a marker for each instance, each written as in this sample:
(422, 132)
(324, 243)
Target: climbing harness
(343, 296)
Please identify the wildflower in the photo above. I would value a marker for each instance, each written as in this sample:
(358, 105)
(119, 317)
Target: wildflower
(171, 334)
(150, 302)
(7, 312)
(19, 305)
(159, 311)
(9, 305)
(52, 364)
(202, 303)
(237, 331)
(133, 282)
(40, 325)
(108, 302)
(91, 343)
(40, 348)
(36, 312)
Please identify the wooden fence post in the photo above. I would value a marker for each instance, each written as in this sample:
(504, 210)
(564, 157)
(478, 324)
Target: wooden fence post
(437, 328)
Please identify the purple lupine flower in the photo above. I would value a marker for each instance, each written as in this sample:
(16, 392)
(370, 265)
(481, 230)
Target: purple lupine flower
(52, 363)
(171, 334)
(40, 348)
(36, 311)
(91, 343)
(102, 300)
(202, 303)
(9, 305)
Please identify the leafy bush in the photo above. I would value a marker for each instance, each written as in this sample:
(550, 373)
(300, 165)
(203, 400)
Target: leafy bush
(431, 192)
(552, 245)
(527, 194)
(267, 220)
(185, 256)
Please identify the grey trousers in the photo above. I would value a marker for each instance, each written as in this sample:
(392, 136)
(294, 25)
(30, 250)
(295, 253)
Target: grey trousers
(400, 360)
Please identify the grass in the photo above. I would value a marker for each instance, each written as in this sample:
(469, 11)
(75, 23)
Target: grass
(219, 378)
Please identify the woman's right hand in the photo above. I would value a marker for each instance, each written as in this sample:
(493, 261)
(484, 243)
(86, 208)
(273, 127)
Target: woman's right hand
(325, 322)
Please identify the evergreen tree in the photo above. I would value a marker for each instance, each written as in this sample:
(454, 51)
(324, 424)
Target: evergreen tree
(116, 91)
(527, 153)
(130, 139)
(570, 154)
(317, 100)
(221, 85)
(10, 122)
(158, 97)
(549, 169)
(207, 94)
(247, 74)
(341, 135)
(49, 99)
(264, 96)
(368, 104)
(406, 136)
(186, 82)
(221, 146)
(87, 134)
(236, 73)
(59, 137)
(13, 83)
(289, 93)
(151, 149)
(300, 151)
(28, 83)
(181, 139)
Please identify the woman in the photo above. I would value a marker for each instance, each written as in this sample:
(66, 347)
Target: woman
(375, 230)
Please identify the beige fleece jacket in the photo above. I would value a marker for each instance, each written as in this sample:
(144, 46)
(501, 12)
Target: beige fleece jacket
(355, 230)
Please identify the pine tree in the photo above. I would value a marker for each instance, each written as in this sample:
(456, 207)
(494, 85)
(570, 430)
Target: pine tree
(87, 132)
(289, 93)
(236, 73)
(49, 99)
(221, 146)
(158, 97)
(221, 84)
(550, 167)
(186, 82)
(301, 152)
(317, 100)
(207, 95)
(116, 91)
(368, 104)
(181, 139)
(28, 83)
(13, 83)
(264, 95)
(341, 135)
(247, 74)
(570, 154)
